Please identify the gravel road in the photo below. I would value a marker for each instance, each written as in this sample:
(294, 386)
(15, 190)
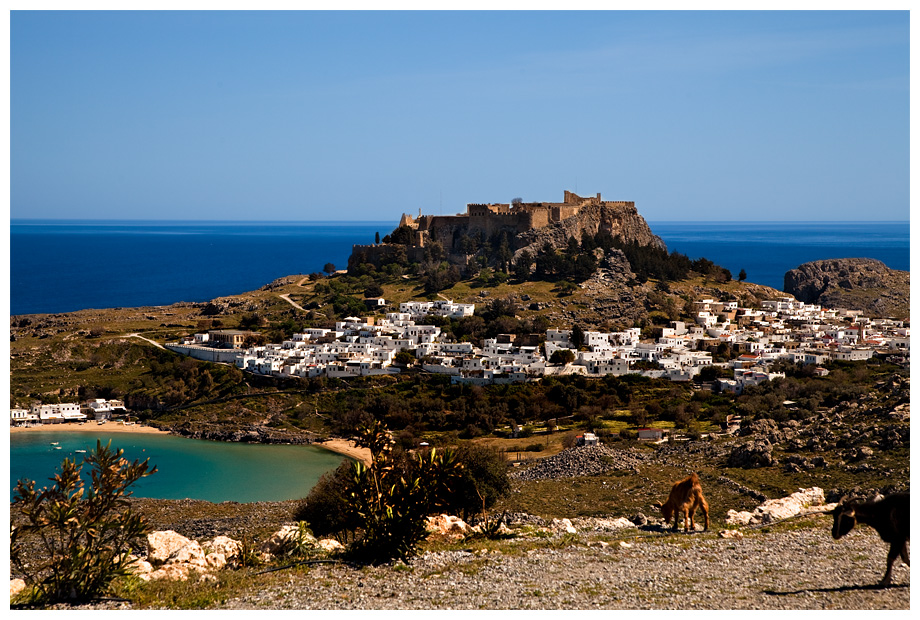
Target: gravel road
(801, 569)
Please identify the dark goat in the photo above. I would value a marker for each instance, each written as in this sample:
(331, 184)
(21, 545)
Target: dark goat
(890, 517)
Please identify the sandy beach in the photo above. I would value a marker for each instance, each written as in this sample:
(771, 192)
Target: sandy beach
(348, 448)
(90, 427)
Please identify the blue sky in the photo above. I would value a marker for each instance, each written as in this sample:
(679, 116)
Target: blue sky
(366, 115)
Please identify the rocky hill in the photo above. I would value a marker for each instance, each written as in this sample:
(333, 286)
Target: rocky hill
(863, 284)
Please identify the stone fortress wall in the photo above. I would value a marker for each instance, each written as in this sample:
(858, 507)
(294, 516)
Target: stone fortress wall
(520, 220)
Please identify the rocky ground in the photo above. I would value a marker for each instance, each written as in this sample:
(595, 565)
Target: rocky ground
(802, 569)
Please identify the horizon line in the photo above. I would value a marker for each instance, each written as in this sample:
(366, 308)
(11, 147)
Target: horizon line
(352, 221)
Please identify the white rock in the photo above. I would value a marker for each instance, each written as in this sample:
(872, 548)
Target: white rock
(16, 586)
(225, 545)
(730, 534)
(169, 572)
(191, 553)
(739, 518)
(564, 525)
(447, 525)
(330, 544)
(162, 544)
(283, 537)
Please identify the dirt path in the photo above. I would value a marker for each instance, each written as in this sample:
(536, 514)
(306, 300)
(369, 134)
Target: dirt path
(286, 297)
(156, 344)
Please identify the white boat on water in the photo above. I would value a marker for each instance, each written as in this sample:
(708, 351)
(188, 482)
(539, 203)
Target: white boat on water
(80, 451)
(54, 443)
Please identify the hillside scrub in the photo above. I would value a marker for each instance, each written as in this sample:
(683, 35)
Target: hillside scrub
(85, 536)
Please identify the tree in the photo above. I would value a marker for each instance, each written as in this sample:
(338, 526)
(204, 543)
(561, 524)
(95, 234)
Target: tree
(562, 356)
(373, 290)
(377, 238)
(86, 541)
(329, 268)
(484, 480)
(742, 275)
(578, 336)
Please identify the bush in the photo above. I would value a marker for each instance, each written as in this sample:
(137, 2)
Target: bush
(483, 481)
(391, 502)
(85, 542)
(325, 509)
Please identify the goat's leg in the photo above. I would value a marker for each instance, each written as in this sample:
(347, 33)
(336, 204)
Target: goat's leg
(704, 507)
(690, 512)
(893, 554)
(905, 553)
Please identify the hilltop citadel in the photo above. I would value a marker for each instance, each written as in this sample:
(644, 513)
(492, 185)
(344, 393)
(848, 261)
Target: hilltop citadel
(521, 225)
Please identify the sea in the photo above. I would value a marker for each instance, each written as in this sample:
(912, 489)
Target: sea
(62, 266)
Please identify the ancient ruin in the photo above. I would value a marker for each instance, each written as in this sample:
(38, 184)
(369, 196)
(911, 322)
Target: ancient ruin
(521, 225)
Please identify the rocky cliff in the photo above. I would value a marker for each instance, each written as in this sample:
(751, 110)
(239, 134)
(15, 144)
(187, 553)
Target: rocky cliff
(621, 221)
(863, 284)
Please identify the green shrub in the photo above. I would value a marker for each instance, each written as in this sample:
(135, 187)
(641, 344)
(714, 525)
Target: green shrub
(391, 502)
(483, 480)
(85, 542)
(326, 507)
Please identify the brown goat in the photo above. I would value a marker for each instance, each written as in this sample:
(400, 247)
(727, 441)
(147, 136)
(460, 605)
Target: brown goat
(686, 496)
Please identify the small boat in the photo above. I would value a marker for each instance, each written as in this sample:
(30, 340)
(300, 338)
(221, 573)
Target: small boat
(80, 451)
(54, 443)
(57, 447)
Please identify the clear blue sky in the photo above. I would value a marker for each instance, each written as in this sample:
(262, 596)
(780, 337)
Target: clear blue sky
(364, 115)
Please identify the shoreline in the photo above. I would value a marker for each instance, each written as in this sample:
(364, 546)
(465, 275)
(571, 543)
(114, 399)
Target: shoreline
(339, 446)
(91, 427)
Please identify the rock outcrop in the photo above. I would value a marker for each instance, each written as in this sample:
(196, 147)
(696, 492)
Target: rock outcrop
(863, 284)
(621, 221)
(801, 502)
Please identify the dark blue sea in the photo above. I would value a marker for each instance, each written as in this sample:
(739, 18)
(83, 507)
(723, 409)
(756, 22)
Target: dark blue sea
(767, 250)
(62, 266)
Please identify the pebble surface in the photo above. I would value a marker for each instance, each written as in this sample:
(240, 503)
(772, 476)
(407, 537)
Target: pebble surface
(802, 569)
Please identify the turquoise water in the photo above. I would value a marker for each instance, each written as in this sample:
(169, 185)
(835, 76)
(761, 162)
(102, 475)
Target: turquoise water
(187, 468)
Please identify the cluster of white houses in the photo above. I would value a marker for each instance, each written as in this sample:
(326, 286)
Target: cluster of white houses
(96, 409)
(783, 329)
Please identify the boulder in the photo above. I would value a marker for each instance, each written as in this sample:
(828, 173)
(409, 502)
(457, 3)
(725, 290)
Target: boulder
(776, 509)
(16, 586)
(731, 534)
(161, 545)
(283, 538)
(447, 526)
(329, 545)
(223, 545)
(564, 526)
(169, 572)
(757, 453)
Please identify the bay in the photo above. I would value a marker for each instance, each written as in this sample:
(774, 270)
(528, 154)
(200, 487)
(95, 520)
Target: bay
(187, 468)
